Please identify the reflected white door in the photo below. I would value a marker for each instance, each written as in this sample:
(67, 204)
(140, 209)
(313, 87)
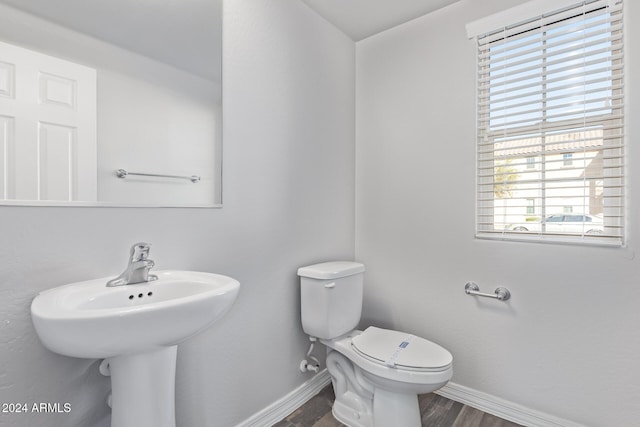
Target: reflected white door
(48, 142)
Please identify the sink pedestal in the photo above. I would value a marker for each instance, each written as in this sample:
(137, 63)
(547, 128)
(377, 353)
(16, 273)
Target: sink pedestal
(143, 389)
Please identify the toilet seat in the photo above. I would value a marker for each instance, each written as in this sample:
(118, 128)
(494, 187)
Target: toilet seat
(400, 350)
(420, 380)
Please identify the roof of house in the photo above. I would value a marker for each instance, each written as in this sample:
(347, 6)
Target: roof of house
(569, 141)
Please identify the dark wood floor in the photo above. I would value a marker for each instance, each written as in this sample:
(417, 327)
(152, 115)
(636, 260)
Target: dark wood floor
(436, 411)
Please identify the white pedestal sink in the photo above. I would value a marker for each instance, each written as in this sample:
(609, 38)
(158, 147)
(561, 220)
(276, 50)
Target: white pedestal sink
(136, 328)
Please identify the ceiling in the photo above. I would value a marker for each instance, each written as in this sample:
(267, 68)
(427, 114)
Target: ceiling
(360, 19)
(177, 32)
(181, 32)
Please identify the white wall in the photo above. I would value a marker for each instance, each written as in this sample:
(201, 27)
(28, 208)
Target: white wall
(152, 117)
(566, 344)
(289, 201)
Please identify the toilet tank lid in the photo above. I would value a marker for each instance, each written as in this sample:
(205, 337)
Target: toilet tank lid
(331, 270)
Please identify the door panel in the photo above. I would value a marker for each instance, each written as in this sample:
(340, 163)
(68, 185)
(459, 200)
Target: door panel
(48, 111)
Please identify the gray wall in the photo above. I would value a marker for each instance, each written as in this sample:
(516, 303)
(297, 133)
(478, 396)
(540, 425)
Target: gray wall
(566, 344)
(288, 201)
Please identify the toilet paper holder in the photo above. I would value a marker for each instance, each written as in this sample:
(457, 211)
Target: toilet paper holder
(502, 294)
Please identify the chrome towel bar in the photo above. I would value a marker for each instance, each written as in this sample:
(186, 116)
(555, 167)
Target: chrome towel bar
(122, 173)
(501, 294)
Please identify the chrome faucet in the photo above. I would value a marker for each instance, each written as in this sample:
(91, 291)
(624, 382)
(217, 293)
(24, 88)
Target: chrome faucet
(137, 270)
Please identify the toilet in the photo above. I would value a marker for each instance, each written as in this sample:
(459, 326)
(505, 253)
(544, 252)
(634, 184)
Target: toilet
(377, 373)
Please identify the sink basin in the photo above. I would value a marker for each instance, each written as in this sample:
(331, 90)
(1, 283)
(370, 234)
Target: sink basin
(90, 320)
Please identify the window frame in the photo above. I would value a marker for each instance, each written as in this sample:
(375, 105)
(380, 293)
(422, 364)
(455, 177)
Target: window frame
(543, 129)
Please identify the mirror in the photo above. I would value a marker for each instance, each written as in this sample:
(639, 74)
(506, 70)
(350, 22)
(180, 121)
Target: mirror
(113, 103)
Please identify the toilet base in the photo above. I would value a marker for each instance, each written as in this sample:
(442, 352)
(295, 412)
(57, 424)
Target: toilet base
(358, 402)
(391, 409)
(353, 405)
(345, 412)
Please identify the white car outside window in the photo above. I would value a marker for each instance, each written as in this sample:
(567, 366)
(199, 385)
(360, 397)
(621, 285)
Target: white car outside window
(564, 223)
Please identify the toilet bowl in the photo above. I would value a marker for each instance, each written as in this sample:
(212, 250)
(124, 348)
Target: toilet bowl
(377, 373)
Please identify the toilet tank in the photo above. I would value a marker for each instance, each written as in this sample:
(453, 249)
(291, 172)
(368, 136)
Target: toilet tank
(331, 298)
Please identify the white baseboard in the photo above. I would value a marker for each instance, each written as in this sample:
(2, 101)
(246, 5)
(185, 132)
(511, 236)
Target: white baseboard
(289, 403)
(488, 403)
(502, 408)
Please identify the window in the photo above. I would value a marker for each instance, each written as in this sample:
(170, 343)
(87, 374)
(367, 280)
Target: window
(567, 159)
(531, 206)
(555, 218)
(550, 124)
(531, 162)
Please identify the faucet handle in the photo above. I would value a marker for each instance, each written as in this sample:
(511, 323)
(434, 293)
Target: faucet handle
(140, 251)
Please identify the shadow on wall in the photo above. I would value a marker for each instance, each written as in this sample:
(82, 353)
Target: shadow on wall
(376, 309)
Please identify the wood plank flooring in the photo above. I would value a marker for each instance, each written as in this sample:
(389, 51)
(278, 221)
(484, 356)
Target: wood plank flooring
(436, 411)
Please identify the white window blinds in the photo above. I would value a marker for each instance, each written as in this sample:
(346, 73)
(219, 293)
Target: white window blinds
(550, 127)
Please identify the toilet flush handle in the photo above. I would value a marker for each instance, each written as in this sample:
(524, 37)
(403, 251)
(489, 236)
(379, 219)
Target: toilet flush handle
(330, 285)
